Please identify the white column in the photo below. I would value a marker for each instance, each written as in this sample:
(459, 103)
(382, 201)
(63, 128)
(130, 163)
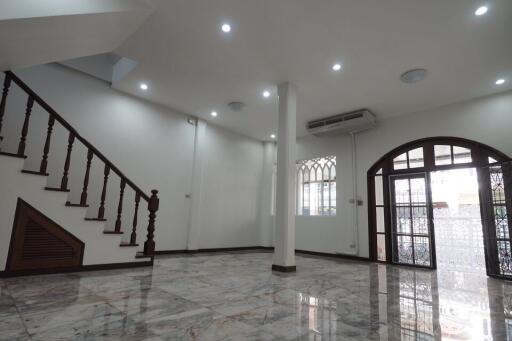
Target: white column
(284, 253)
(197, 181)
(266, 195)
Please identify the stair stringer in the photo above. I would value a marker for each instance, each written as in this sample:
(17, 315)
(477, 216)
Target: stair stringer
(100, 248)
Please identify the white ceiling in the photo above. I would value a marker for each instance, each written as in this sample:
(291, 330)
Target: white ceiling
(35, 32)
(191, 66)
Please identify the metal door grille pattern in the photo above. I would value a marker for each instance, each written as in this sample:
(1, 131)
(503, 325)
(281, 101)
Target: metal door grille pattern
(411, 230)
(498, 220)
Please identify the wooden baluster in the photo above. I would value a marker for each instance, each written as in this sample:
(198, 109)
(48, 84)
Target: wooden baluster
(120, 206)
(101, 210)
(133, 236)
(153, 203)
(83, 196)
(24, 130)
(46, 150)
(5, 91)
(64, 181)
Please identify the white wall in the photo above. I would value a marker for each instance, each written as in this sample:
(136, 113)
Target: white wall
(486, 120)
(328, 234)
(230, 191)
(153, 146)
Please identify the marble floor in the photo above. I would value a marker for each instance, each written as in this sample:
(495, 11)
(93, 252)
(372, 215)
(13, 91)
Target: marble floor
(234, 296)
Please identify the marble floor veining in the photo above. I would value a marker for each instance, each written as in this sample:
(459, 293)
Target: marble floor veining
(235, 296)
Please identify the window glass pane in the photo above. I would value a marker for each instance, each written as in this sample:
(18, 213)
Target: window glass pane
(492, 160)
(312, 174)
(381, 247)
(416, 158)
(333, 198)
(379, 171)
(404, 249)
(326, 173)
(326, 209)
(504, 255)
(421, 251)
(418, 192)
(305, 208)
(461, 155)
(380, 219)
(501, 221)
(443, 155)
(402, 191)
(400, 162)
(497, 185)
(379, 191)
(319, 174)
(403, 219)
(419, 220)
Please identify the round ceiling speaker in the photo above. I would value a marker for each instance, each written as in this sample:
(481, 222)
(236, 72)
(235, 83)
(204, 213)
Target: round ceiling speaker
(413, 76)
(236, 106)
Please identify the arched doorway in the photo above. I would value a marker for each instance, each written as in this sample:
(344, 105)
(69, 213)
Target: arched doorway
(401, 209)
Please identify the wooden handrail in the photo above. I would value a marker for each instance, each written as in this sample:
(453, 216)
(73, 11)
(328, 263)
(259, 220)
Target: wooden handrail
(77, 136)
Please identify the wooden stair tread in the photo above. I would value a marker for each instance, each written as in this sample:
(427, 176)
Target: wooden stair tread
(76, 205)
(56, 189)
(13, 155)
(113, 232)
(127, 244)
(95, 219)
(26, 171)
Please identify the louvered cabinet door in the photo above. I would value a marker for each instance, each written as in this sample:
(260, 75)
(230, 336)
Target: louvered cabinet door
(39, 243)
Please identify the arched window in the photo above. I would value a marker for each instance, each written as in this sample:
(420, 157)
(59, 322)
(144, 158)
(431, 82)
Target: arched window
(400, 205)
(316, 186)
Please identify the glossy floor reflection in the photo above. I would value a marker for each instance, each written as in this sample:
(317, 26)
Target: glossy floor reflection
(234, 296)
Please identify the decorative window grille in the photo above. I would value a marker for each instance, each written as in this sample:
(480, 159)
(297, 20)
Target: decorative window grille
(316, 187)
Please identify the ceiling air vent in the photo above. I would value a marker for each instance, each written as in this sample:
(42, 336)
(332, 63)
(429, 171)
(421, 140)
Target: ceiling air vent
(348, 123)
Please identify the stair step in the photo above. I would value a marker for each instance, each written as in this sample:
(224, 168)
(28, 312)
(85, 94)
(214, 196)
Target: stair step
(128, 245)
(26, 171)
(13, 155)
(56, 189)
(95, 219)
(76, 205)
(113, 232)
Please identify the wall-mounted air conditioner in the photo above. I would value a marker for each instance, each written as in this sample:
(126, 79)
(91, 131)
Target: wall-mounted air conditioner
(348, 123)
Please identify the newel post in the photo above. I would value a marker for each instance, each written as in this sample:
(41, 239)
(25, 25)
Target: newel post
(153, 203)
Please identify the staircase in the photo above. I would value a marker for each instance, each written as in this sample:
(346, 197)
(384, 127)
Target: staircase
(103, 248)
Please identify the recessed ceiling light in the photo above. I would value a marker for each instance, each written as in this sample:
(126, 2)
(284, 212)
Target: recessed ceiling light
(336, 67)
(143, 86)
(272, 136)
(226, 28)
(500, 81)
(413, 76)
(481, 10)
(266, 93)
(213, 113)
